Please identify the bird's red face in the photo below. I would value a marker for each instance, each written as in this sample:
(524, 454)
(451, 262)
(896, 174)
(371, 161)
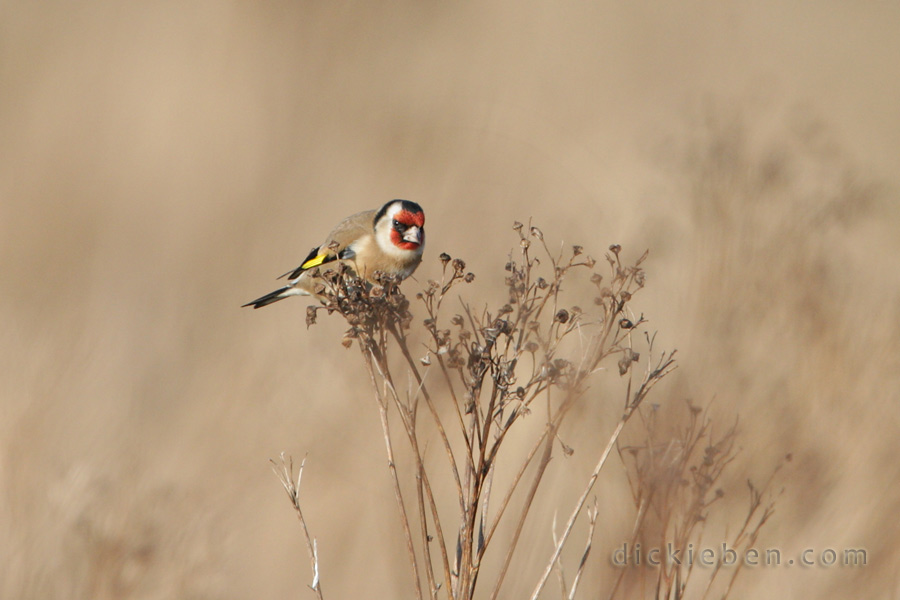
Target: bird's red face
(408, 229)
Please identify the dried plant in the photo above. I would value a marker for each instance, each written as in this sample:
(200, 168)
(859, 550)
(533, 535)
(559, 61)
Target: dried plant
(534, 354)
(675, 479)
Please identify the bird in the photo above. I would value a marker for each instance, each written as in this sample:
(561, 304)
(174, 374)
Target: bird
(389, 240)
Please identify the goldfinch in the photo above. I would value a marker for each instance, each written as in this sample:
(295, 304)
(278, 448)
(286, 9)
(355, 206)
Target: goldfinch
(390, 239)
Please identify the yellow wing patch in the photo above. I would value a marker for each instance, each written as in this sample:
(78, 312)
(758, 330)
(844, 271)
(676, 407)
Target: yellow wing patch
(314, 261)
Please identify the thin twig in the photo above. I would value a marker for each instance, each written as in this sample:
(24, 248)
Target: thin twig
(580, 504)
(292, 487)
(592, 522)
(404, 518)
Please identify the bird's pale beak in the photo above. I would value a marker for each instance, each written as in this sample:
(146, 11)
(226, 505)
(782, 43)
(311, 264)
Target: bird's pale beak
(413, 234)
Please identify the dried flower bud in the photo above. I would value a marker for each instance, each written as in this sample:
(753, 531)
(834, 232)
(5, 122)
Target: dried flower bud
(509, 266)
(457, 320)
(524, 243)
(626, 324)
(310, 315)
(445, 258)
(625, 296)
(531, 347)
(517, 226)
(542, 283)
(469, 278)
(560, 364)
(376, 291)
(459, 265)
(537, 233)
(504, 326)
(615, 249)
(596, 278)
(426, 360)
(562, 316)
(577, 250)
(640, 277)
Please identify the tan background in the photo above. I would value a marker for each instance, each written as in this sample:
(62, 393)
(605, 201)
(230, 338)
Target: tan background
(160, 164)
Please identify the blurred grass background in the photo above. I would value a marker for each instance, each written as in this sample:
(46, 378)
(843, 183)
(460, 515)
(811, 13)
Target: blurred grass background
(160, 164)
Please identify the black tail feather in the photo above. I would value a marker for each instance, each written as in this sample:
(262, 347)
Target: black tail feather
(268, 298)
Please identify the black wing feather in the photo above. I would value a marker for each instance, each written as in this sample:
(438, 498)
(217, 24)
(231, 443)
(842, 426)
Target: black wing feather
(294, 273)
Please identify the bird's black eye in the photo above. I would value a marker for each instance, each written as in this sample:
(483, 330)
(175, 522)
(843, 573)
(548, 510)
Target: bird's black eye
(398, 225)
